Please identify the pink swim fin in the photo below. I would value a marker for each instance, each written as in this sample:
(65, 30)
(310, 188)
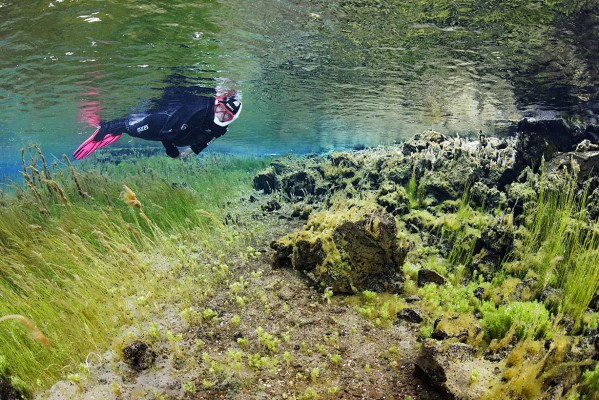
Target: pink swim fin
(91, 145)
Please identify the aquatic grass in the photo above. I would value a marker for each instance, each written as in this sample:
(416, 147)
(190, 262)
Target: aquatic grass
(36, 334)
(449, 298)
(61, 280)
(461, 229)
(525, 319)
(560, 244)
(71, 251)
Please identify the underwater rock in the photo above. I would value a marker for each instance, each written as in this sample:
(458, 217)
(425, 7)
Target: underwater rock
(298, 184)
(422, 141)
(139, 356)
(553, 132)
(495, 242)
(591, 133)
(397, 169)
(344, 160)
(266, 181)
(410, 315)
(551, 296)
(449, 369)
(586, 145)
(488, 197)
(347, 250)
(583, 164)
(271, 205)
(302, 212)
(463, 328)
(394, 198)
(279, 167)
(7, 392)
(429, 276)
(413, 299)
(539, 139)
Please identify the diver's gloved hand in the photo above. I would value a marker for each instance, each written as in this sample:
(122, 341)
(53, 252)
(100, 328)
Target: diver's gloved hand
(185, 152)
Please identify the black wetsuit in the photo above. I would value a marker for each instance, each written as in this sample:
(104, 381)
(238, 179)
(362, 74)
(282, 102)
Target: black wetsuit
(179, 119)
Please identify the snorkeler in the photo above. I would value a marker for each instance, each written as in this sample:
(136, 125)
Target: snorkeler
(181, 118)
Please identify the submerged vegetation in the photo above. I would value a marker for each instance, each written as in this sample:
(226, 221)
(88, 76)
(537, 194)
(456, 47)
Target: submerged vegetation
(72, 250)
(161, 267)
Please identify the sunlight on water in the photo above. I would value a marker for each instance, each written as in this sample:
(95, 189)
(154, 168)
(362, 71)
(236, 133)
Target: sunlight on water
(315, 75)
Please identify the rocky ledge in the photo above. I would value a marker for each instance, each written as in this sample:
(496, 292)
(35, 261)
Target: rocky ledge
(439, 211)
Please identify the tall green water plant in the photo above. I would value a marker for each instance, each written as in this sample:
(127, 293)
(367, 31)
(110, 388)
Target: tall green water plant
(560, 244)
(74, 245)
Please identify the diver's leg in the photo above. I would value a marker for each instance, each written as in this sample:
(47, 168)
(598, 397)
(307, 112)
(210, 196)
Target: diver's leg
(146, 126)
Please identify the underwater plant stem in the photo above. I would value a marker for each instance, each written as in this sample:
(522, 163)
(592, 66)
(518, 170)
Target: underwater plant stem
(30, 326)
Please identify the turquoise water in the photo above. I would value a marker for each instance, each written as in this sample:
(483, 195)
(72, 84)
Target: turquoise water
(315, 75)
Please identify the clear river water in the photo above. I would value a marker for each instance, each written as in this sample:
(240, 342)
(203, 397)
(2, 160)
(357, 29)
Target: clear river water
(316, 75)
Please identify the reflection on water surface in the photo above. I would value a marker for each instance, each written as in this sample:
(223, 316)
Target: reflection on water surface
(316, 75)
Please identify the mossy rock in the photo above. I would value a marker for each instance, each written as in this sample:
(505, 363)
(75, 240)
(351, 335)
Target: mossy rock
(394, 198)
(398, 169)
(344, 159)
(463, 328)
(348, 250)
(489, 197)
(266, 181)
(298, 184)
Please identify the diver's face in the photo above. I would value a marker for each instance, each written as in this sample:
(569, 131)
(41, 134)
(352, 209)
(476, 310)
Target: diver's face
(224, 111)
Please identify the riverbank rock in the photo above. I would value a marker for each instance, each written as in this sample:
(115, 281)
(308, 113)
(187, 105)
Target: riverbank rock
(139, 356)
(347, 250)
(7, 392)
(266, 181)
(455, 370)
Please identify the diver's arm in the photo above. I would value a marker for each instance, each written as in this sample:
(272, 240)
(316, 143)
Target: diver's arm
(171, 149)
(185, 153)
(198, 147)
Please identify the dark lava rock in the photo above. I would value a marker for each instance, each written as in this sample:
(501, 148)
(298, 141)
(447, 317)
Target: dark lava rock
(301, 212)
(298, 184)
(7, 392)
(554, 133)
(410, 315)
(266, 181)
(139, 356)
(271, 205)
(413, 299)
(429, 276)
(544, 138)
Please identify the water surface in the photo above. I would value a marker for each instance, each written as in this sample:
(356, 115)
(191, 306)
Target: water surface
(315, 75)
